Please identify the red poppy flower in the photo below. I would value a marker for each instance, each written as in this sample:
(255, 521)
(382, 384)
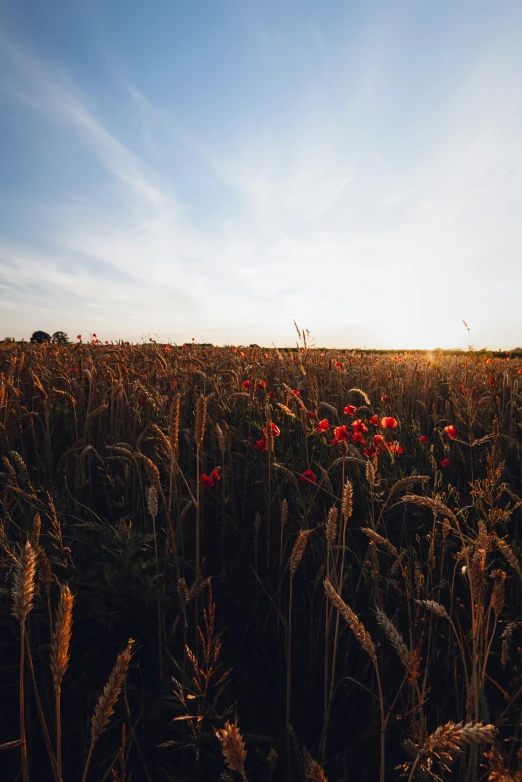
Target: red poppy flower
(207, 481)
(359, 426)
(519, 371)
(378, 441)
(423, 438)
(184, 346)
(246, 384)
(261, 384)
(74, 370)
(444, 462)
(275, 431)
(141, 401)
(358, 438)
(491, 381)
(388, 422)
(260, 445)
(450, 431)
(215, 474)
(340, 433)
(296, 393)
(308, 477)
(265, 355)
(79, 337)
(350, 409)
(369, 453)
(94, 336)
(374, 421)
(385, 398)
(338, 365)
(323, 426)
(271, 394)
(396, 449)
(311, 414)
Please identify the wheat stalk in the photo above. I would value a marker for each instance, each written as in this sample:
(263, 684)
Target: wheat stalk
(201, 415)
(451, 738)
(23, 585)
(107, 700)
(394, 636)
(378, 539)
(347, 502)
(23, 592)
(331, 527)
(353, 621)
(364, 638)
(298, 551)
(60, 661)
(435, 608)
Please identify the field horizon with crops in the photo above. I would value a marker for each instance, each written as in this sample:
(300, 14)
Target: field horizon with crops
(259, 564)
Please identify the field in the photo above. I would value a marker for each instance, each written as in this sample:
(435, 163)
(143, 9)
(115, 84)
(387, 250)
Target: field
(245, 563)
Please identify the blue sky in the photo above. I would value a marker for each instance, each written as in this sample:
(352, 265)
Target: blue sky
(218, 168)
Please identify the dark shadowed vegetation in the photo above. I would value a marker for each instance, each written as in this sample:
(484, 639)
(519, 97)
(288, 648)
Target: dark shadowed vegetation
(222, 563)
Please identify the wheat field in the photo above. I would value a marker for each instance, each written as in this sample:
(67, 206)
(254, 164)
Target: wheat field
(259, 564)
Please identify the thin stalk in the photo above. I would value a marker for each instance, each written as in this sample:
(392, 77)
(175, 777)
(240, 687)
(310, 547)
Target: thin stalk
(40, 710)
(23, 740)
(289, 663)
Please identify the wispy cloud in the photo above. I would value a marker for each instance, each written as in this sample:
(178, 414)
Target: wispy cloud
(314, 219)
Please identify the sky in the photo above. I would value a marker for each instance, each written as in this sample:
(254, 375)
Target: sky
(216, 169)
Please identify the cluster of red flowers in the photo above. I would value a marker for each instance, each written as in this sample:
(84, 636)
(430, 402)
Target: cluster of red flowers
(260, 445)
(208, 481)
(261, 386)
(379, 444)
(359, 428)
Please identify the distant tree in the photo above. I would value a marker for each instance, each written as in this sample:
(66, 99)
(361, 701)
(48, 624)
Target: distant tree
(60, 338)
(40, 336)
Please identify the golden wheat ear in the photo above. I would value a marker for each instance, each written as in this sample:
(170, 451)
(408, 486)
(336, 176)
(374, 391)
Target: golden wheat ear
(60, 660)
(107, 700)
(62, 636)
(23, 593)
(233, 748)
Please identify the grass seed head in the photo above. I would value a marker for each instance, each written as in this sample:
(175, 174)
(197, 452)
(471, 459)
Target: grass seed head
(62, 636)
(23, 586)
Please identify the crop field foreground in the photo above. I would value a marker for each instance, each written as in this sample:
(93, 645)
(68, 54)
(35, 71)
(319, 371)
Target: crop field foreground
(253, 564)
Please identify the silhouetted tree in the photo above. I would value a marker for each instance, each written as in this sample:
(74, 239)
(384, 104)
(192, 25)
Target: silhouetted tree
(40, 336)
(60, 338)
